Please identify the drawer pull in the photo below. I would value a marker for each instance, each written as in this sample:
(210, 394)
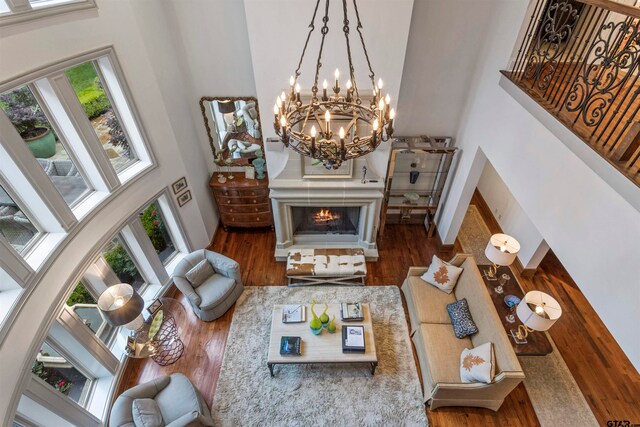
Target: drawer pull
(253, 193)
(226, 193)
(255, 201)
(228, 201)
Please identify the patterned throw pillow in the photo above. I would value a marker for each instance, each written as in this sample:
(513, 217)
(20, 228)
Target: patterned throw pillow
(201, 272)
(477, 364)
(442, 275)
(463, 324)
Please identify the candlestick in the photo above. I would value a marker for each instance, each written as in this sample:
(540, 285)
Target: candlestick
(276, 113)
(327, 119)
(297, 93)
(392, 115)
(336, 88)
(387, 102)
(283, 125)
(349, 86)
(375, 130)
(381, 109)
(313, 141)
(342, 152)
(324, 91)
(284, 99)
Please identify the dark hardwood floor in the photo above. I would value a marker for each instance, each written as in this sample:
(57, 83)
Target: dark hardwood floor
(612, 389)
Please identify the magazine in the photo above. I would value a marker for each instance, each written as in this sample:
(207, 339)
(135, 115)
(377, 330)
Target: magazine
(295, 313)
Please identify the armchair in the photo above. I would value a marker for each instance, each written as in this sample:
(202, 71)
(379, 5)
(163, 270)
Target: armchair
(179, 402)
(217, 294)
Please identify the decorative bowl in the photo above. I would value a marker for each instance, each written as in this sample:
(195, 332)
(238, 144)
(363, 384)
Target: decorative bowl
(411, 197)
(511, 301)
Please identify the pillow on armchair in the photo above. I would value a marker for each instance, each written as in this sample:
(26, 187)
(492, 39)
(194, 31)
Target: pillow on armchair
(146, 413)
(199, 273)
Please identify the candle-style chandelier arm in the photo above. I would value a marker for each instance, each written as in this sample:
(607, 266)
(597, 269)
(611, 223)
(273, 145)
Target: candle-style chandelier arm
(372, 75)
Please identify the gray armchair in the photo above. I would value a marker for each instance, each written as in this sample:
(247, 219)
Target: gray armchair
(179, 402)
(217, 294)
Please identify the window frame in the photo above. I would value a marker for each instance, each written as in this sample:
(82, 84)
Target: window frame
(24, 208)
(136, 263)
(22, 10)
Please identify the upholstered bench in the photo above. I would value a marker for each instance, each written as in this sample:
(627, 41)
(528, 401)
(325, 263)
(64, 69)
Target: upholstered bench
(330, 266)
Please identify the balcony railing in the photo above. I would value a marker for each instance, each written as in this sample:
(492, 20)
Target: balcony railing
(580, 60)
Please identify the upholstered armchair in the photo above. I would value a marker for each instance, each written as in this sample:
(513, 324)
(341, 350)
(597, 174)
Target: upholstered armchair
(216, 294)
(176, 399)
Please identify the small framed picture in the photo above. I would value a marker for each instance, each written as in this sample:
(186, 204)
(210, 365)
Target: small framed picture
(154, 307)
(179, 185)
(249, 173)
(184, 198)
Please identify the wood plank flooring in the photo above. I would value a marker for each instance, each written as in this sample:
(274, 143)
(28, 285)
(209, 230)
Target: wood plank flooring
(403, 246)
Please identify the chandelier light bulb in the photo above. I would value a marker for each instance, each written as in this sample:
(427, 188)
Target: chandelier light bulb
(392, 114)
(387, 99)
(313, 131)
(297, 88)
(379, 84)
(276, 110)
(283, 122)
(375, 125)
(349, 84)
(327, 116)
(324, 84)
(291, 81)
(279, 102)
(337, 74)
(381, 105)
(341, 133)
(283, 96)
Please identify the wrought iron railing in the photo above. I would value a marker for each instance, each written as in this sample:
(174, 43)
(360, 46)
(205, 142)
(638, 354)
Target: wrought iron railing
(580, 60)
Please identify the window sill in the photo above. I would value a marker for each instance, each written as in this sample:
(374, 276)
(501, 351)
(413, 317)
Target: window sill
(44, 247)
(90, 202)
(133, 171)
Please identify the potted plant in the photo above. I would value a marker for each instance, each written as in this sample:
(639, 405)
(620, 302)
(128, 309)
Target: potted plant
(30, 122)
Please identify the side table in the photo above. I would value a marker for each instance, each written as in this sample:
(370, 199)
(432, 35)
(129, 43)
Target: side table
(537, 342)
(166, 347)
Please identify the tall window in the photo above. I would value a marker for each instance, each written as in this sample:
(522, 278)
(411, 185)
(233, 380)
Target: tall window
(15, 226)
(60, 374)
(155, 226)
(38, 133)
(95, 101)
(84, 305)
(118, 258)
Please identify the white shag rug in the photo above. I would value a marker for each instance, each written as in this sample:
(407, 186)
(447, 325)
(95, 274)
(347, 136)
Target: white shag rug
(318, 395)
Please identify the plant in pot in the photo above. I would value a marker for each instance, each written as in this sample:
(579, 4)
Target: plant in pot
(30, 121)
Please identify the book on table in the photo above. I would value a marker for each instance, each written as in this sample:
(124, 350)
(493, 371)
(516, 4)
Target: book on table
(353, 339)
(294, 313)
(290, 346)
(351, 312)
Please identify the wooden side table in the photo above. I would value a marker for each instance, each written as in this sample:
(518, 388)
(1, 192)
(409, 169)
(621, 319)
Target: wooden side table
(242, 202)
(537, 342)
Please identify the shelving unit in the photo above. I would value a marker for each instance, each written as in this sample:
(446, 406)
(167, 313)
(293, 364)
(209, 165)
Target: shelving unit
(427, 162)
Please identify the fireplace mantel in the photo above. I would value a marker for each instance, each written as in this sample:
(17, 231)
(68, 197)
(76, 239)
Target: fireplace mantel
(286, 194)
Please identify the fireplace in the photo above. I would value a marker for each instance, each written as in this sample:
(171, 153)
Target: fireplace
(313, 220)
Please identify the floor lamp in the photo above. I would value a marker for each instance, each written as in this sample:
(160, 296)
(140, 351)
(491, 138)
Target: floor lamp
(501, 250)
(122, 305)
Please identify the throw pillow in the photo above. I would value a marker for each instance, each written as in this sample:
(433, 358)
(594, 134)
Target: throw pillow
(146, 413)
(201, 272)
(477, 364)
(461, 319)
(442, 275)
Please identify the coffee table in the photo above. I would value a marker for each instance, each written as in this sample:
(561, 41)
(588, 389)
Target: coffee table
(323, 348)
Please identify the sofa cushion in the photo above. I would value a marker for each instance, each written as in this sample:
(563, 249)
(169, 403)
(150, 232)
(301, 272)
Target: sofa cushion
(146, 413)
(429, 304)
(214, 290)
(200, 273)
(442, 275)
(477, 364)
(438, 351)
(461, 319)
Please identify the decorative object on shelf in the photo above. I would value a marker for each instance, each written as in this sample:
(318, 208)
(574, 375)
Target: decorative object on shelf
(229, 162)
(233, 127)
(155, 324)
(511, 301)
(502, 249)
(184, 198)
(315, 324)
(154, 306)
(503, 280)
(538, 312)
(331, 328)
(121, 306)
(412, 198)
(314, 169)
(324, 317)
(258, 163)
(179, 185)
(295, 120)
(249, 172)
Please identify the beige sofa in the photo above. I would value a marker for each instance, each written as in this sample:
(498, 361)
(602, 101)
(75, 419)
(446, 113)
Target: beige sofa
(439, 350)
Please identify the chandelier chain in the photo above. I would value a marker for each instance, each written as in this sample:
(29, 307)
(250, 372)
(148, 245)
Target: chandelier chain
(372, 76)
(324, 31)
(345, 29)
(306, 43)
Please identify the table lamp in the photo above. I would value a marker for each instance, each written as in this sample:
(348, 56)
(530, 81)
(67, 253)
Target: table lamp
(122, 305)
(227, 109)
(501, 250)
(538, 312)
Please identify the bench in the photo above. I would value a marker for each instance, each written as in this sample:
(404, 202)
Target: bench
(331, 266)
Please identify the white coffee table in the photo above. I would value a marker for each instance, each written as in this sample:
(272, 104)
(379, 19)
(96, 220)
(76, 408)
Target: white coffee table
(323, 348)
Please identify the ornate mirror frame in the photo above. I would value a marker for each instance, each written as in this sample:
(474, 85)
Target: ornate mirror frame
(205, 102)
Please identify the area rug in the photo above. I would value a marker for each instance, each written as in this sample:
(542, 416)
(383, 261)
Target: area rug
(554, 394)
(318, 395)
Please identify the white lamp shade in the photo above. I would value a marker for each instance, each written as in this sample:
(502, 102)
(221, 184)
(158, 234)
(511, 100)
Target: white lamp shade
(502, 249)
(549, 307)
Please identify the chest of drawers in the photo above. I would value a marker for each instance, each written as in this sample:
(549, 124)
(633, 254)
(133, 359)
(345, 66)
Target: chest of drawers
(242, 202)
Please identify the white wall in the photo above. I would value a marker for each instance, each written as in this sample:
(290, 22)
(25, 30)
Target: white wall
(591, 228)
(137, 30)
(512, 219)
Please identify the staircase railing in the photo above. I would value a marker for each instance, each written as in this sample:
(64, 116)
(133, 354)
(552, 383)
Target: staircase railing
(580, 60)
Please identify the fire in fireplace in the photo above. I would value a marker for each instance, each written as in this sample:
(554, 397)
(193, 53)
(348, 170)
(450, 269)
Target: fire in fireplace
(331, 220)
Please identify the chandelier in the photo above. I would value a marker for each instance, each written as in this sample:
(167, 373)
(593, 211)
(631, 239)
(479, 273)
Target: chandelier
(308, 126)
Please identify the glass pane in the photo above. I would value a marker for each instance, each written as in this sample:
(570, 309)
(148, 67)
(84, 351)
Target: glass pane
(4, 8)
(154, 224)
(14, 224)
(97, 107)
(47, 3)
(122, 264)
(56, 371)
(34, 127)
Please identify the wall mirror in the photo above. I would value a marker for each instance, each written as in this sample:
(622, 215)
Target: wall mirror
(233, 127)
